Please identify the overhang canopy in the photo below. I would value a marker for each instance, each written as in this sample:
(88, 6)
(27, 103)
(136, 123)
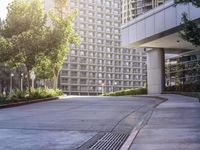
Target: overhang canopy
(159, 27)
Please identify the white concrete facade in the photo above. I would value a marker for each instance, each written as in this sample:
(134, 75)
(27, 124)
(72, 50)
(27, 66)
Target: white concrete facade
(133, 8)
(155, 71)
(158, 29)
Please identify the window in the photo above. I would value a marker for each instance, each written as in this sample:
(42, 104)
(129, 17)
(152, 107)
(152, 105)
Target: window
(83, 81)
(83, 60)
(73, 66)
(74, 73)
(65, 73)
(73, 52)
(116, 5)
(99, 2)
(74, 81)
(83, 67)
(73, 59)
(108, 3)
(83, 74)
(91, 47)
(82, 53)
(99, 41)
(74, 88)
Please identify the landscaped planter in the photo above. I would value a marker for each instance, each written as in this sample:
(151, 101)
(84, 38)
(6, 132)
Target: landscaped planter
(27, 102)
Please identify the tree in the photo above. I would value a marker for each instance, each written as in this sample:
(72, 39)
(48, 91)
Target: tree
(60, 5)
(190, 30)
(62, 35)
(43, 69)
(25, 32)
(194, 2)
(26, 39)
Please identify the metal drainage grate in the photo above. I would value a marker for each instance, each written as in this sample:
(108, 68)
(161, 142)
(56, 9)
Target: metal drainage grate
(110, 141)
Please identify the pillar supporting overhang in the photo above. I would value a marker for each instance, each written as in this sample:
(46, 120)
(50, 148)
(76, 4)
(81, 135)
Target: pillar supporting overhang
(155, 71)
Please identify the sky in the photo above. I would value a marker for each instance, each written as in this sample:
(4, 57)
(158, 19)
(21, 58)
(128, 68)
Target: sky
(3, 5)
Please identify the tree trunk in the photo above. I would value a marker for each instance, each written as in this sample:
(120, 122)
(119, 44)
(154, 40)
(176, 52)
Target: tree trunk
(55, 81)
(45, 84)
(28, 81)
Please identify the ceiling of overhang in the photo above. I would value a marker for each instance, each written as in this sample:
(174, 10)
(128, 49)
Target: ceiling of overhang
(172, 41)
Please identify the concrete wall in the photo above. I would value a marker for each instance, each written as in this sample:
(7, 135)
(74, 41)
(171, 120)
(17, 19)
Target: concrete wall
(155, 71)
(156, 21)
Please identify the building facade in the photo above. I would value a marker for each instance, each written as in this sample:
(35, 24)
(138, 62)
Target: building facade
(133, 8)
(183, 69)
(158, 31)
(99, 64)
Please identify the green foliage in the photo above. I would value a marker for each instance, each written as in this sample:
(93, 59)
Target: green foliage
(137, 91)
(2, 98)
(194, 2)
(60, 4)
(20, 96)
(193, 87)
(25, 38)
(44, 93)
(63, 34)
(190, 31)
(17, 95)
(25, 29)
(43, 69)
(5, 44)
(58, 92)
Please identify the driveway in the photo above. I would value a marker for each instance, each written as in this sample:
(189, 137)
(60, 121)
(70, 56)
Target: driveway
(69, 123)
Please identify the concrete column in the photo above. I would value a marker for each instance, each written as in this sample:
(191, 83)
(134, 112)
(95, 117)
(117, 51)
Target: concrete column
(155, 71)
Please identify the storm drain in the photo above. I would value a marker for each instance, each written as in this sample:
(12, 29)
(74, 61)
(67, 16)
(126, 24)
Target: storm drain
(110, 141)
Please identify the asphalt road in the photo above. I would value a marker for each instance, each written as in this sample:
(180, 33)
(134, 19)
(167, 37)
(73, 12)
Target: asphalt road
(69, 123)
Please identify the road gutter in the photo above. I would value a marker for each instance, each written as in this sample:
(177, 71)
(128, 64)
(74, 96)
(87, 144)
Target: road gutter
(127, 144)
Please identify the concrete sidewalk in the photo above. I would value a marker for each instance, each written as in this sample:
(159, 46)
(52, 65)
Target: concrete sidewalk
(174, 125)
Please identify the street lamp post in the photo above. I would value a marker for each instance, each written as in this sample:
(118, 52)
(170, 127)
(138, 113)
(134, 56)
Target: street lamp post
(21, 81)
(115, 84)
(103, 84)
(33, 76)
(11, 81)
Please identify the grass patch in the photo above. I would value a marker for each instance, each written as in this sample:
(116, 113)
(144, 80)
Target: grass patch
(136, 91)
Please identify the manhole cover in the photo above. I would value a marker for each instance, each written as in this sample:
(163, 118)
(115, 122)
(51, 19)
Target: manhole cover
(110, 141)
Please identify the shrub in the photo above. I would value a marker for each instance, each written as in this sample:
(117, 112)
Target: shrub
(184, 88)
(59, 92)
(44, 93)
(18, 95)
(136, 91)
(2, 98)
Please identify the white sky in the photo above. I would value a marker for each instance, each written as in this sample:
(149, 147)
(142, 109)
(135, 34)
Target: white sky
(3, 5)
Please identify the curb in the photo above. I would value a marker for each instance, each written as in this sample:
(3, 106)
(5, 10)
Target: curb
(140, 125)
(136, 131)
(27, 102)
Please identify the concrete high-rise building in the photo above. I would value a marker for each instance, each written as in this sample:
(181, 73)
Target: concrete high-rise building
(132, 8)
(99, 64)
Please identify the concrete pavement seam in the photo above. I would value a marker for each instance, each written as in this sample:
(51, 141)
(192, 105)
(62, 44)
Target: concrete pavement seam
(125, 117)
